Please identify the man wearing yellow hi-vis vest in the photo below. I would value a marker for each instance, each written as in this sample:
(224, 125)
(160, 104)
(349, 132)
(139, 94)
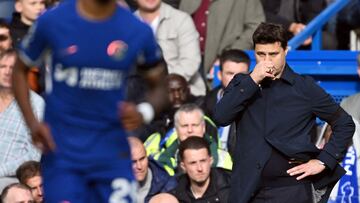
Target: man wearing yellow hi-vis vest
(189, 120)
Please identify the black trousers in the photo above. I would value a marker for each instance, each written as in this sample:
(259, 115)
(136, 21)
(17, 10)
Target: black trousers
(300, 193)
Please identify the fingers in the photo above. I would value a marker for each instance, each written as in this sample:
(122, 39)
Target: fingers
(308, 41)
(312, 167)
(48, 139)
(304, 175)
(264, 69)
(301, 169)
(296, 170)
(39, 145)
(42, 138)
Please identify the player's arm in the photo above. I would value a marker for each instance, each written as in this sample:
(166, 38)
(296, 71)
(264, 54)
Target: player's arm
(39, 131)
(152, 68)
(30, 53)
(134, 115)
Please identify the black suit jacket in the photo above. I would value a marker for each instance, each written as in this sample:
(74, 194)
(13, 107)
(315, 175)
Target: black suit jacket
(281, 114)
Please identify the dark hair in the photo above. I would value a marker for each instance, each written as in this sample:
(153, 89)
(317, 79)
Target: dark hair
(269, 33)
(193, 142)
(5, 191)
(234, 55)
(28, 170)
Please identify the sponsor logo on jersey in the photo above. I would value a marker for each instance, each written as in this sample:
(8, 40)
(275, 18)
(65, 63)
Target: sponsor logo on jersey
(71, 49)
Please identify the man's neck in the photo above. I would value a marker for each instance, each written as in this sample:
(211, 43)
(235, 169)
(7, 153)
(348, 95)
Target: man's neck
(148, 17)
(92, 10)
(26, 21)
(6, 97)
(199, 190)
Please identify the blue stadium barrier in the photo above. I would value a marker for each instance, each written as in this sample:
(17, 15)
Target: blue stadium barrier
(315, 26)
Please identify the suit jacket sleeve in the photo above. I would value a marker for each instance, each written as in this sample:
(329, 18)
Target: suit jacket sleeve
(341, 123)
(189, 59)
(254, 15)
(240, 90)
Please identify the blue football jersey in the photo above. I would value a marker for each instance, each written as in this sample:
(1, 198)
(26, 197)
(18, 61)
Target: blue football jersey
(87, 62)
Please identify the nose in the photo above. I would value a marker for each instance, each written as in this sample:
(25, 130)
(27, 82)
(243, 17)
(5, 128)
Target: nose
(138, 165)
(190, 129)
(9, 70)
(39, 190)
(177, 94)
(199, 167)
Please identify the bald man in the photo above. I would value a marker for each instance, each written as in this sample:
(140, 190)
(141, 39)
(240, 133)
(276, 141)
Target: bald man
(151, 177)
(15, 193)
(164, 198)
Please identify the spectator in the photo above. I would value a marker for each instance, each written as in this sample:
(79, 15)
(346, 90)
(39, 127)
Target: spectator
(347, 20)
(200, 183)
(347, 185)
(223, 25)
(16, 193)
(5, 38)
(164, 198)
(151, 177)
(15, 141)
(133, 3)
(275, 110)
(29, 174)
(351, 104)
(189, 121)
(293, 15)
(177, 36)
(232, 62)
(178, 94)
(27, 11)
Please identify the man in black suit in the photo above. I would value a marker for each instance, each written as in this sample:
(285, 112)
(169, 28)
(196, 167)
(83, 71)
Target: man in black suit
(275, 110)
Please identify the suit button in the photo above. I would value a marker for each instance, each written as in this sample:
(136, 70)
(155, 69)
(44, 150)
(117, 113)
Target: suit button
(258, 166)
(242, 90)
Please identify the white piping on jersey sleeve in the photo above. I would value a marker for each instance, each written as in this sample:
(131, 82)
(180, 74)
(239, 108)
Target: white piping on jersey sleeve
(48, 70)
(28, 61)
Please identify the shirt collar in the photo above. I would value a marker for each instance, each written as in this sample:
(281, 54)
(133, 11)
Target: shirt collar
(165, 11)
(288, 75)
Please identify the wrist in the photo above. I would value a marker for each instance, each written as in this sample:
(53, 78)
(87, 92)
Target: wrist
(255, 79)
(321, 163)
(147, 111)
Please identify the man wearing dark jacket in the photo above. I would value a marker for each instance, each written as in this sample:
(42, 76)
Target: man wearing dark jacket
(201, 183)
(275, 111)
(232, 62)
(151, 177)
(26, 13)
